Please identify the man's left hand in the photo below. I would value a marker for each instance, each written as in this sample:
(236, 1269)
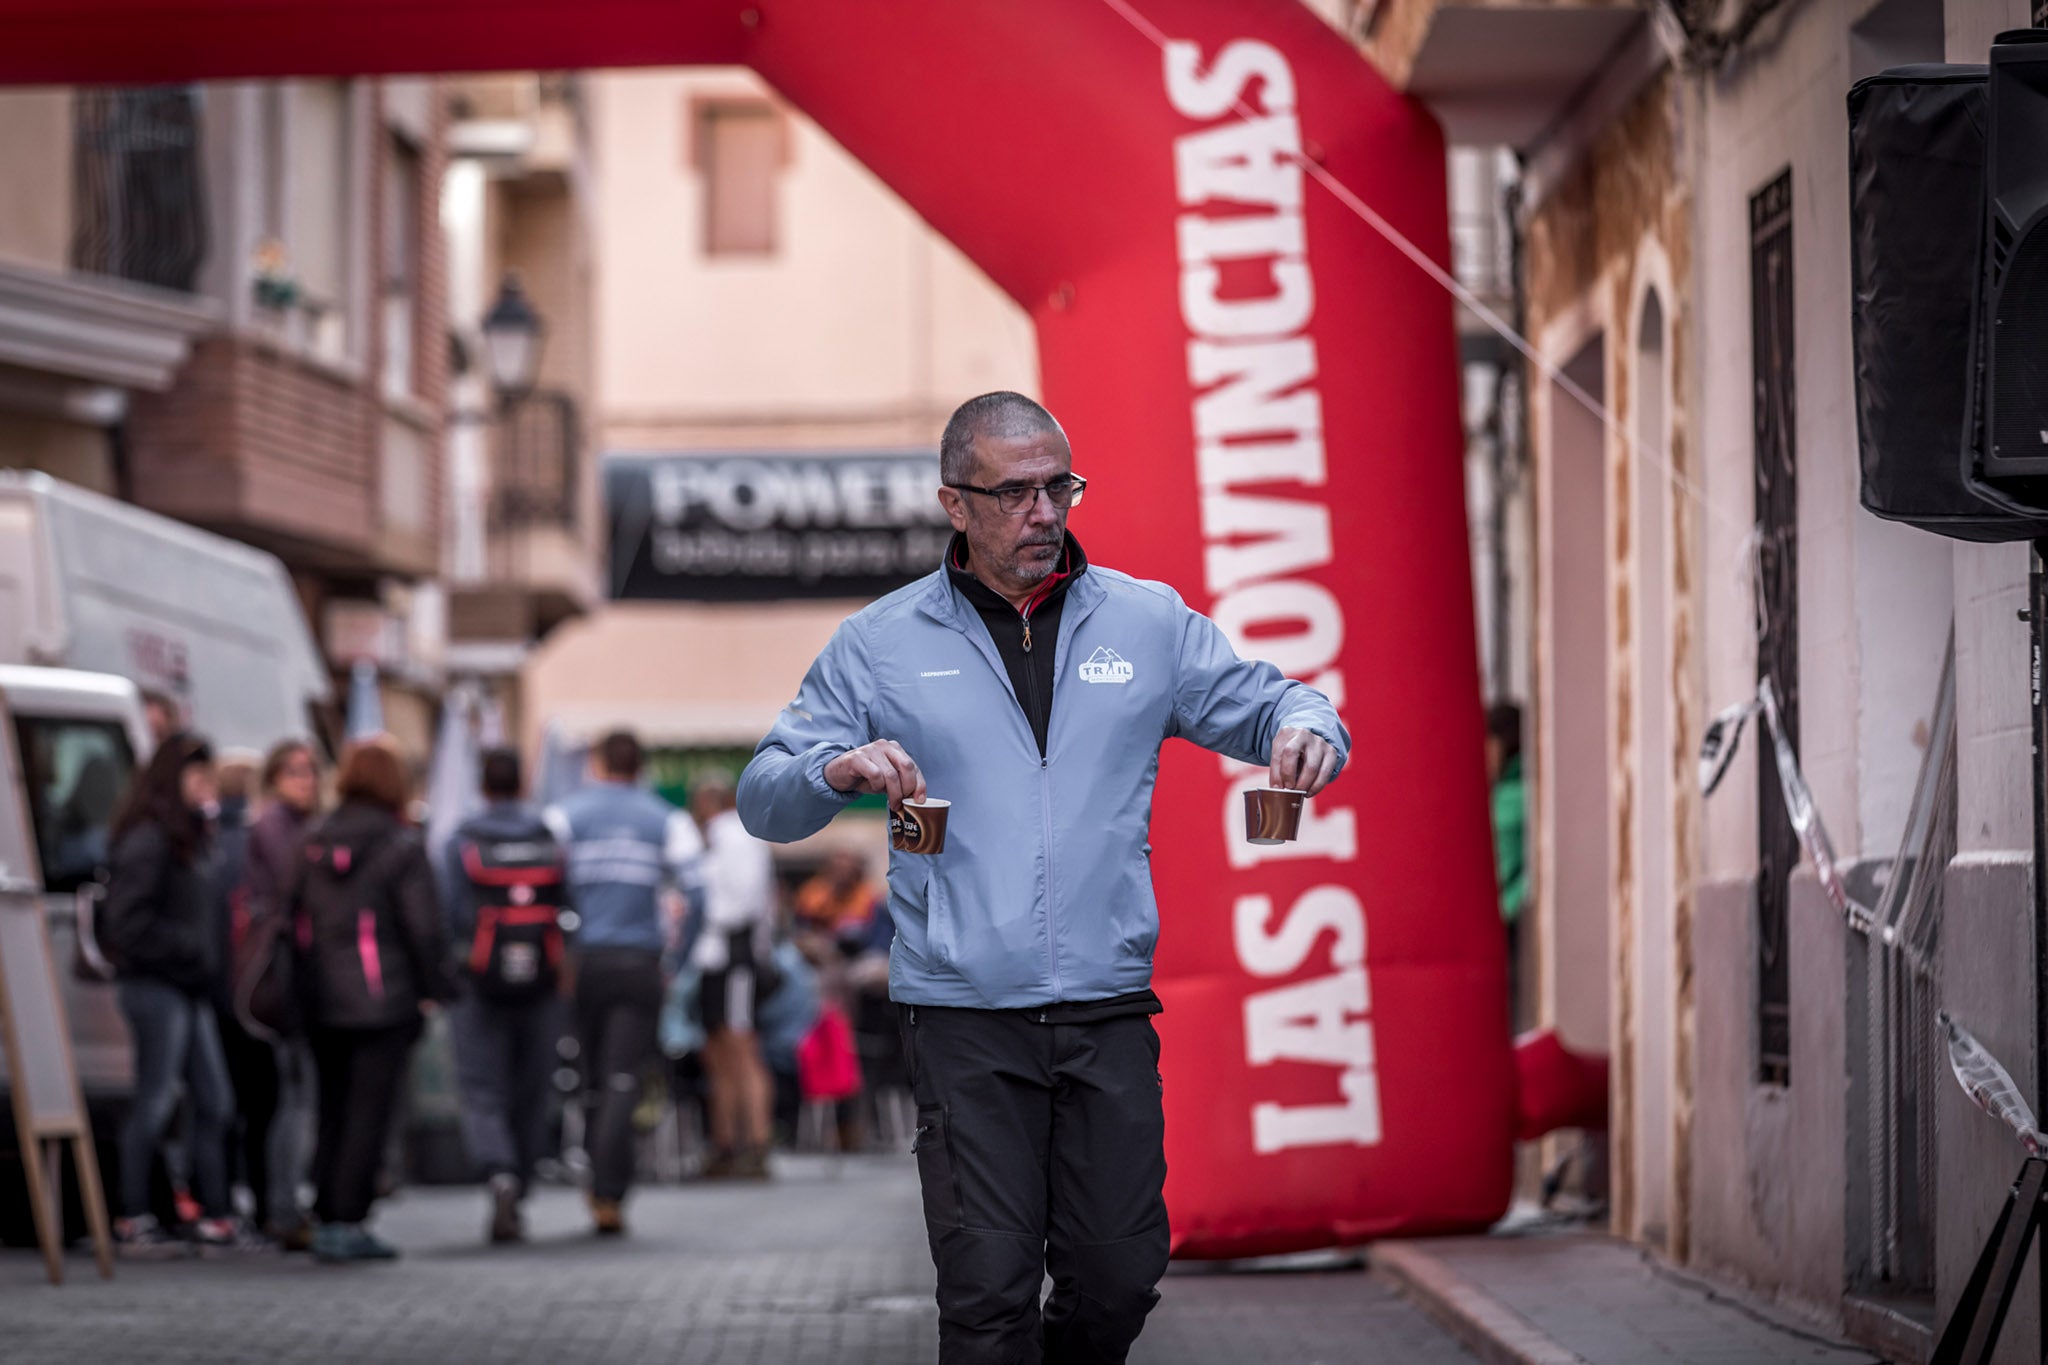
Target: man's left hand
(1303, 761)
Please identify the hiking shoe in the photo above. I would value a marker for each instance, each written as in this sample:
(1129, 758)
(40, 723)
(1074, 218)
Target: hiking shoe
(292, 1236)
(336, 1242)
(752, 1164)
(229, 1237)
(505, 1220)
(607, 1218)
(144, 1239)
(722, 1164)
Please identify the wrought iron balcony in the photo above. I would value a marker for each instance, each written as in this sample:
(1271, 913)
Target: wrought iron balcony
(138, 203)
(536, 463)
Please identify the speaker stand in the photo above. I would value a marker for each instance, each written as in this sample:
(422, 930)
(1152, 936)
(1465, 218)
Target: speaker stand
(1972, 1331)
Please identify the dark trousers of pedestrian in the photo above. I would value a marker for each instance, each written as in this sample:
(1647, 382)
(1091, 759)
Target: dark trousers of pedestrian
(618, 1001)
(176, 1042)
(361, 1076)
(252, 1069)
(505, 1055)
(1040, 1148)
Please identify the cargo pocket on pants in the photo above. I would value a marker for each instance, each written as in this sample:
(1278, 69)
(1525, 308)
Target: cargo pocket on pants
(933, 1146)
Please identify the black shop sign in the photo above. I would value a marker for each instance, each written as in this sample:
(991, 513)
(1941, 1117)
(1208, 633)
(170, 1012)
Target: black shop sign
(753, 528)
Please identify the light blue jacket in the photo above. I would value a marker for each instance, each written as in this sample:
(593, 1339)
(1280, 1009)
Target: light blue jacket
(1044, 891)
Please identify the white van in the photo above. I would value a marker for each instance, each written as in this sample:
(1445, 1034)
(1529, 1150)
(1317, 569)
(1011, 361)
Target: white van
(69, 743)
(90, 582)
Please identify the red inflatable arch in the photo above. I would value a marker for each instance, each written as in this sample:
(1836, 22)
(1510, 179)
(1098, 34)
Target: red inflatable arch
(1267, 396)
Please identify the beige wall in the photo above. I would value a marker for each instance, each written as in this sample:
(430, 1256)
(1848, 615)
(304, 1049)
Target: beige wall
(862, 325)
(70, 451)
(35, 163)
(683, 673)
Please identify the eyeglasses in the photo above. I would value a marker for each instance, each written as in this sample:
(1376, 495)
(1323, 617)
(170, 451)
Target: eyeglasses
(1016, 499)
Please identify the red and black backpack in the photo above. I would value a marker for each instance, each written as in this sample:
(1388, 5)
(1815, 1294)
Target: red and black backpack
(518, 889)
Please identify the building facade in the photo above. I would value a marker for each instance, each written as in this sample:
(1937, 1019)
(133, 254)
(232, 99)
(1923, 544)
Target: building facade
(223, 302)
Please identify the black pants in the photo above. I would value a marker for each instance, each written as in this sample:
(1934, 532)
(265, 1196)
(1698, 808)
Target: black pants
(362, 1074)
(252, 1068)
(505, 1054)
(1040, 1148)
(618, 1000)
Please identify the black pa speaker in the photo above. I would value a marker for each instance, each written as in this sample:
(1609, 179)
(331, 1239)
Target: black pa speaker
(2014, 317)
(1917, 192)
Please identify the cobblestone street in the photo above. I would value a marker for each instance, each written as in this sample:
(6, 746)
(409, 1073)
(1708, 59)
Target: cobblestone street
(827, 1264)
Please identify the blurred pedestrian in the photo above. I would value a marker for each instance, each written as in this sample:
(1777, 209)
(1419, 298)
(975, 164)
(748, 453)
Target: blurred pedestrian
(625, 844)
(163, 713)
(160, 932)
(291, 790)
(375, 954)
(736, 955)
(839, 897)
(251, 1060)
(1510, 836)
(1023, 954)
(504, 890)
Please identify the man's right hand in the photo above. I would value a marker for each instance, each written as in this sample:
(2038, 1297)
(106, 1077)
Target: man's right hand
(882, 766)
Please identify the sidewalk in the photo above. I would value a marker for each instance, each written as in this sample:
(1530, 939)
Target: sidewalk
(1583, 1298)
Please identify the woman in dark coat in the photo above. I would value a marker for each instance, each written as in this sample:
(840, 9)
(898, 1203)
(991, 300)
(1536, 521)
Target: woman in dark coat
(373, 955)
(159, 931)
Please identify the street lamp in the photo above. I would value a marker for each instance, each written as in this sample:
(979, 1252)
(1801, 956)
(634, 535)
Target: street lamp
(513, 334)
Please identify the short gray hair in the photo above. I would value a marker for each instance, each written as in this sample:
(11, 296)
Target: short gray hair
(1003, 414)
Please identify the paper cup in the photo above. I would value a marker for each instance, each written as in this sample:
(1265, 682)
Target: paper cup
(1272, 815)
(919, 826)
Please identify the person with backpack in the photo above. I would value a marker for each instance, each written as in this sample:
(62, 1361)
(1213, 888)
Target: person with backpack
(373, 959)
(625, 845)
(159, 931)
(505, 890)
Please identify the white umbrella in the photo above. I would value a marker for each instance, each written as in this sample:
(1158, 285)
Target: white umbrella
(456, 772)
(365, 701)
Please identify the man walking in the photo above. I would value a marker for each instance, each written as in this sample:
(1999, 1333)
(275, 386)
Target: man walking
(736, 954)
(504, 888)
(1032, 690)
(625, 844)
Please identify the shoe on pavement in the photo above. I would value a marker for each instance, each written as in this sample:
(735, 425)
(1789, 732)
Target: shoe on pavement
(229, 1237)
(722, 1164)
(336, 1242)
(505, 1220)
(144, 1239)
(607, 1217)
(292, 1236)
(752, 1164)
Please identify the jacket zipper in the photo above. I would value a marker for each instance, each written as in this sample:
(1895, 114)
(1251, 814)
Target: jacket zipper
(1052, 941)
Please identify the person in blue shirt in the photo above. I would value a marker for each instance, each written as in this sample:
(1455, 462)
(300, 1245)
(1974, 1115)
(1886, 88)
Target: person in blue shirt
(1032, 689)
(625, 845)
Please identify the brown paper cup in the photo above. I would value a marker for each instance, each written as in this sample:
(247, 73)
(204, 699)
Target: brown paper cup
(919, 826)
(1272, 815)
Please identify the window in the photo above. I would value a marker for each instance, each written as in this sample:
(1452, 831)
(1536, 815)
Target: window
(138, 209)
(738, 146)
(317, 204)
(401, 263)
(1776, 571)
(76, 771)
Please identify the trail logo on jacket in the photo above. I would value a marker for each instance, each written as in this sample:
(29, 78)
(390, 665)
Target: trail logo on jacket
(1105, 665)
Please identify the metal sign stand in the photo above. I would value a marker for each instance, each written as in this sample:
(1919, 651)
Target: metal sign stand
(1972, 1332)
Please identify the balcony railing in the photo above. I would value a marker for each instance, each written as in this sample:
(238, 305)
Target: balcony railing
(138, 206)
(536, 463)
